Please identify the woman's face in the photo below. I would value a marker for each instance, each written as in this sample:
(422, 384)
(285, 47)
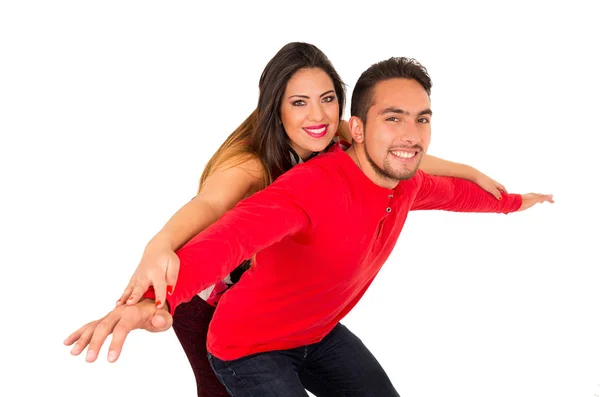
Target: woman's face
(310, 111)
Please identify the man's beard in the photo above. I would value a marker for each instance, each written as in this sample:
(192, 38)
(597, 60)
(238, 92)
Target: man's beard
(387, 172)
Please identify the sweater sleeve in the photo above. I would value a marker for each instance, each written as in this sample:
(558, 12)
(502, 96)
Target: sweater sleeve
(460, 195)
(293, 203)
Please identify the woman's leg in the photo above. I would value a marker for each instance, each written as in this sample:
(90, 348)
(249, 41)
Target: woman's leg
(190, 324)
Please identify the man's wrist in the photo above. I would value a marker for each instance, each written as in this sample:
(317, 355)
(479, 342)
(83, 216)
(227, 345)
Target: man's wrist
(166, 306)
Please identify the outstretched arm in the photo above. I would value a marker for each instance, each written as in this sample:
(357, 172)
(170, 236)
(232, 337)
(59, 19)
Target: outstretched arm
(459, 195)
(295, 201)
(159, 266)
(436, 166)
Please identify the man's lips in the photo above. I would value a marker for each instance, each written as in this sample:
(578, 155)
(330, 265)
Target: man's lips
(404, 154)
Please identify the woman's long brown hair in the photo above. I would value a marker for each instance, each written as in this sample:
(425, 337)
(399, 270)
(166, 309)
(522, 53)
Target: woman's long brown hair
(262, 134)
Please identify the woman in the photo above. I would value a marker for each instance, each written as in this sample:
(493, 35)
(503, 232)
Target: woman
(296, 118)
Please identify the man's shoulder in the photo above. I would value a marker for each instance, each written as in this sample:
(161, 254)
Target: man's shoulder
(331, 159)
(325, 171)
(334, 156)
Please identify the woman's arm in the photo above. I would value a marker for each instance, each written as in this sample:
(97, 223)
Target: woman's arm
(437, 166)
(344, 132)
(159, 266)
(440, 167)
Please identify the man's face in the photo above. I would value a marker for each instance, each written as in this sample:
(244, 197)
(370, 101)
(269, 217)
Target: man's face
(398, 129)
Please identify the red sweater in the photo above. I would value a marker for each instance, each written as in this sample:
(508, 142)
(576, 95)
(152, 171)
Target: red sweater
(322, 232)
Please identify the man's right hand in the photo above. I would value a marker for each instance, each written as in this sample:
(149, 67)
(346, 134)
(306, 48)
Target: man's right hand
(119, 322)
(531, 199)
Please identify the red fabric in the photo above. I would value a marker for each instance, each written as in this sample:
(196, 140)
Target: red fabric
(322, 231)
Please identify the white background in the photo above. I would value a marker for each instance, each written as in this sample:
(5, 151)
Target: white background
(109, 111)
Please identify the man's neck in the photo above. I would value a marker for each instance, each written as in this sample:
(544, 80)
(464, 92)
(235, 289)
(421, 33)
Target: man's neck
(360, 159)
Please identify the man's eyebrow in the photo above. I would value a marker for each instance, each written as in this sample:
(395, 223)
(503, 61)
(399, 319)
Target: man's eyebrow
(402, 111)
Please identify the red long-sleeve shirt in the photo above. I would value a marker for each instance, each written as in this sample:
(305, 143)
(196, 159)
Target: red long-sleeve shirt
(321, 232)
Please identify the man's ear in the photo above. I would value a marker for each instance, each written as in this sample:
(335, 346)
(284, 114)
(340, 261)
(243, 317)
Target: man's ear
(357, 129)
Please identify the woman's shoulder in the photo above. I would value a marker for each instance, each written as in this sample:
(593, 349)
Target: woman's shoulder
(246, 161)
(239, 168)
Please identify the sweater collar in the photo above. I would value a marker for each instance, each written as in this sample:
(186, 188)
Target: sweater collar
(295, 159)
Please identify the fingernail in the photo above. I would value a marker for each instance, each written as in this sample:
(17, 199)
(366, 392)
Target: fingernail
(112, 356)
(158, 303)
(90, 355)
(169, 289)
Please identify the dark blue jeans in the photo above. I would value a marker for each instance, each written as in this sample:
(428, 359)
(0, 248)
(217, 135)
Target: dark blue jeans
(340, 365)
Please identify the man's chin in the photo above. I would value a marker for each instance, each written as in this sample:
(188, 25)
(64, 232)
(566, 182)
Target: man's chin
(407, 175)
(403, 174)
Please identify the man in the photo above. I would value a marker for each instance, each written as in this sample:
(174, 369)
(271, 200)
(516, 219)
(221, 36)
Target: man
(320, 233)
